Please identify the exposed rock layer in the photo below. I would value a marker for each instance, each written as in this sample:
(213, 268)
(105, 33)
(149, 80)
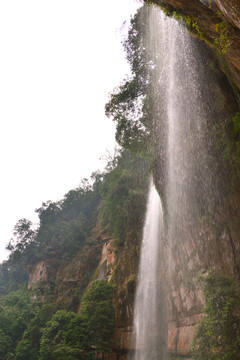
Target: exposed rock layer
(213, 238)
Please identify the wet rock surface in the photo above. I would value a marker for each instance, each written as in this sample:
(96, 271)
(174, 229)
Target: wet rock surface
(218, 22)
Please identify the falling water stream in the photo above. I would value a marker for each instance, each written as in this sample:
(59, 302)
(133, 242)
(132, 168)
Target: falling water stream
(145, 312)
(180, 128)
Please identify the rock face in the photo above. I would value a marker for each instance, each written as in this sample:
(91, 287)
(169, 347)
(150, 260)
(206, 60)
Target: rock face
(231, 10)
(65, 279)
(73, 277)
(218, 23)
(107, 261)
(204, 245)
(37, 274)
(213, 238)
(70, 277)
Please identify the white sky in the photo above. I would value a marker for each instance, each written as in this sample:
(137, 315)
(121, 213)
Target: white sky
(59, 60)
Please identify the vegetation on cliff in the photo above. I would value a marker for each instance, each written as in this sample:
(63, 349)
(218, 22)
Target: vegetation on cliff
(218, 335)
(32, 325)
(131, 105)
(32, 330)
(70, 336)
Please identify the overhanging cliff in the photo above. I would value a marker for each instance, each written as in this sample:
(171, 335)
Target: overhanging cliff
(215, 21)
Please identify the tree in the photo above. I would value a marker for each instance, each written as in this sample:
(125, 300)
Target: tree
(5, 345)
(54, 334)
(16, 311)
(124, 196)
(24, 234)
(48, 212)
(28, 348)
(68, 336)
(97, 316)
(129, 103)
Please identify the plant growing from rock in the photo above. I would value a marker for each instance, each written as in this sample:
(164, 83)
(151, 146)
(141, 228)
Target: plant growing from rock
(217, 337)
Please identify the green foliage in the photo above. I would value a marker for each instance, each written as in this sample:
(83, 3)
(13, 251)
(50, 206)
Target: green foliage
(71, 336)
(66, 225)
(5, 345)
(128, 105)
(12, 274)
(24, 236)
(124, 196)
(97, 315)
(22, 247)
(25, 330)
(64, 228)
(28, 348)
(222, 42)
(148, 2)
(227, 134)
(189, 21)
(16, 310)
(217, 336)
(236, 124)
(54, 333)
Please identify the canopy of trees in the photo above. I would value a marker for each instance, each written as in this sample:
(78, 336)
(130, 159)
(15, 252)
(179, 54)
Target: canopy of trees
(39, 331)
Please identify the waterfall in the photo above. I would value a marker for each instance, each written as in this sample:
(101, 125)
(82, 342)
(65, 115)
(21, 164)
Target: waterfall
(185, 178)
(145, 311)
(189, 180)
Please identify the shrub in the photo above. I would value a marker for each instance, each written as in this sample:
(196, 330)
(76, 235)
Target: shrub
(218, 335)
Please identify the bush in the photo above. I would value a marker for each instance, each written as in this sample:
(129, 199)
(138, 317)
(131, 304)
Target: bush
(97, 315)
(218, 335)
(68, 336)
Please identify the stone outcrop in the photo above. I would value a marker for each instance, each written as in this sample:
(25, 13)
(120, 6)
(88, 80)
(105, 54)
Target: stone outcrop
(107, 261)
(231, 10)
(37, 274)
(73, 277)
(205, 246)
(70, 277)
(65, 278)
